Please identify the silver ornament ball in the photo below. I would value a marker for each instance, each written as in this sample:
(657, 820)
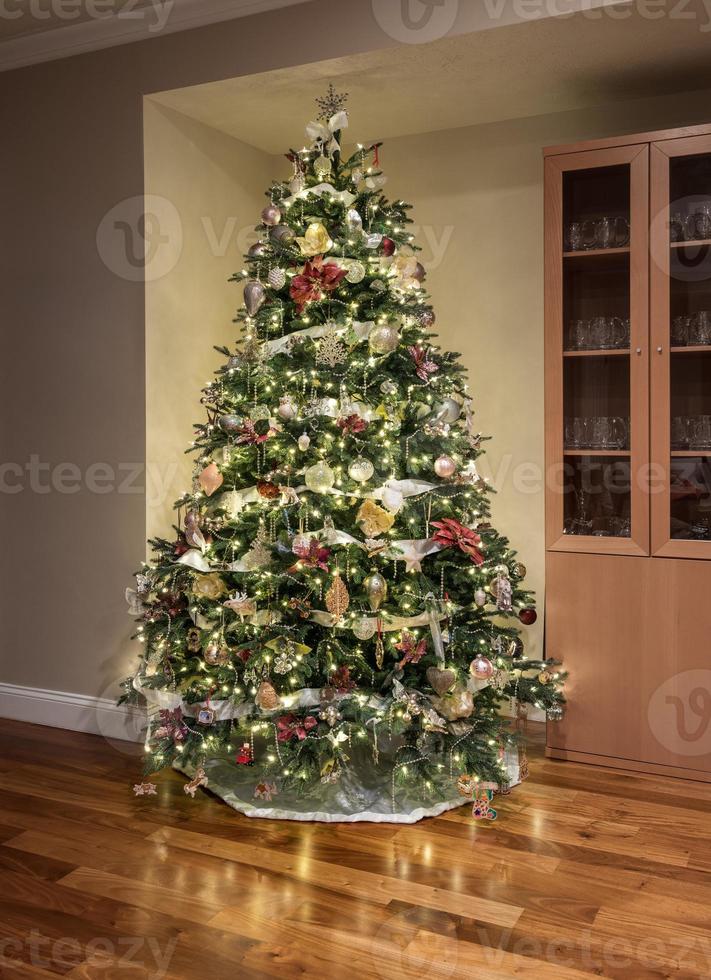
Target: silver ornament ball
(288, 409)
(448, 411)
(271, 215)
(282, 233)
(361, 469)
(257, 250)
(364, 628)
(230, 423)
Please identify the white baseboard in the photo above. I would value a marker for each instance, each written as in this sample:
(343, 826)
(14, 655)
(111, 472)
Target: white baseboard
(75, 712)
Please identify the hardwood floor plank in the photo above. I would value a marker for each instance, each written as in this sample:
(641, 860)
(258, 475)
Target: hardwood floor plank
(587, 873)
(373, 886)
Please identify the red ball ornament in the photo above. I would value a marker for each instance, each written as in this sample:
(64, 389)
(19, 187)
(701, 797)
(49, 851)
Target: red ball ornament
(388, 246)
(528, 616)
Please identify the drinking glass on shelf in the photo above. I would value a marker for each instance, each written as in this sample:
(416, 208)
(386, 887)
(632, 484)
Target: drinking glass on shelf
(575, 236)
(700, 329)
(571, 434)
(598, 332)
(613, 232)
(701, 432)
(682, 227)
(703, 221)
(579, 334)
(626, 331)
(680, 330)
(623, 527)
(616, 433)
(616, 333)
(680, 432)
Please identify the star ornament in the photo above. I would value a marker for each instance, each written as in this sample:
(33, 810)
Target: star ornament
(331, 103)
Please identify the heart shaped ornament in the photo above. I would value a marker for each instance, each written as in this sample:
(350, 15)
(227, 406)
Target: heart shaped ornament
(440, 680)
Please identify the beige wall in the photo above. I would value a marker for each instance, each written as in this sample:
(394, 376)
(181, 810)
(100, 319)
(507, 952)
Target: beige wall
(216, 185)
(73, 383)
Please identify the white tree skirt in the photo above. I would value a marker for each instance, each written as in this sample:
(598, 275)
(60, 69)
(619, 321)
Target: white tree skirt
(363, 793)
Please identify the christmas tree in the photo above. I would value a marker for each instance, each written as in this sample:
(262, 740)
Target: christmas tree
(333, 634)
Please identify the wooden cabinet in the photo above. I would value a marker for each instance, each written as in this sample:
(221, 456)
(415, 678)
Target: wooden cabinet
(628, 448)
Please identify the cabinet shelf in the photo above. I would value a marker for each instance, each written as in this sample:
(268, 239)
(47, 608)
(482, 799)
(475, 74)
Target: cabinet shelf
(692, 243)
(608, 352)
(689, 453)
(591, 253)
(692, 349)
(618, 453)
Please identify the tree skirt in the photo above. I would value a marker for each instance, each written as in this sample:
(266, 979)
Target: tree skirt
(362, 793)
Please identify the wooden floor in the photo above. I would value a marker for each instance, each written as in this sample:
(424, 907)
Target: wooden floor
(587, 872)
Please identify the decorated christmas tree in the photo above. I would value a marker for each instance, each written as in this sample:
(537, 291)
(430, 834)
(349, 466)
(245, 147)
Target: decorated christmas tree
(333, 631)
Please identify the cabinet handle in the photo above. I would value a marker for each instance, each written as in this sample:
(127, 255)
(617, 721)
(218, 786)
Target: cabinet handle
(659, 350)
(639, 350)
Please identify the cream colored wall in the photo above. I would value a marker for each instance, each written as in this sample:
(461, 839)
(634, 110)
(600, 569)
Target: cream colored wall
(216, 185)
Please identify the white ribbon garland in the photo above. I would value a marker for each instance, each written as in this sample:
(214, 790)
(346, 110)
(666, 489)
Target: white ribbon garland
(279, 344)
(226, 710)
(345, 197)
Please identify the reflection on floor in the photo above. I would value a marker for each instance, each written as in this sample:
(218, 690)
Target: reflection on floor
(586, 872)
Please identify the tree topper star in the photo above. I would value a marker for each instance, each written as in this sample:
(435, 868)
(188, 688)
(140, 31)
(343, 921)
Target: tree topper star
(331, 103)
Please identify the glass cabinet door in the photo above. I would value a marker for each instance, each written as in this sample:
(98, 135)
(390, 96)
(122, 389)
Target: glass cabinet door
(680, 271)
(597, 357)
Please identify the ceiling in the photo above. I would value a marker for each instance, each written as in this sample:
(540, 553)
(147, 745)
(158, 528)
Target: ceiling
(551, 65)
(33, 31)
(52, 15)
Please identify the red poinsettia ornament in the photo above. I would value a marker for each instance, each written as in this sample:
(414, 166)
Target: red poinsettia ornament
(424, 367)
(452, 534)
(412, 650)
(289, 726)
(318, 277)
(352, 424)
(313, 555)
(248, 434)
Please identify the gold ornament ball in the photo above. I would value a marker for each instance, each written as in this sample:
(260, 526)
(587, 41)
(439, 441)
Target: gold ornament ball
(384, 338)
(519, 570)
(545, 677)
(320, 477)
(445, 467)
(376, 588)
